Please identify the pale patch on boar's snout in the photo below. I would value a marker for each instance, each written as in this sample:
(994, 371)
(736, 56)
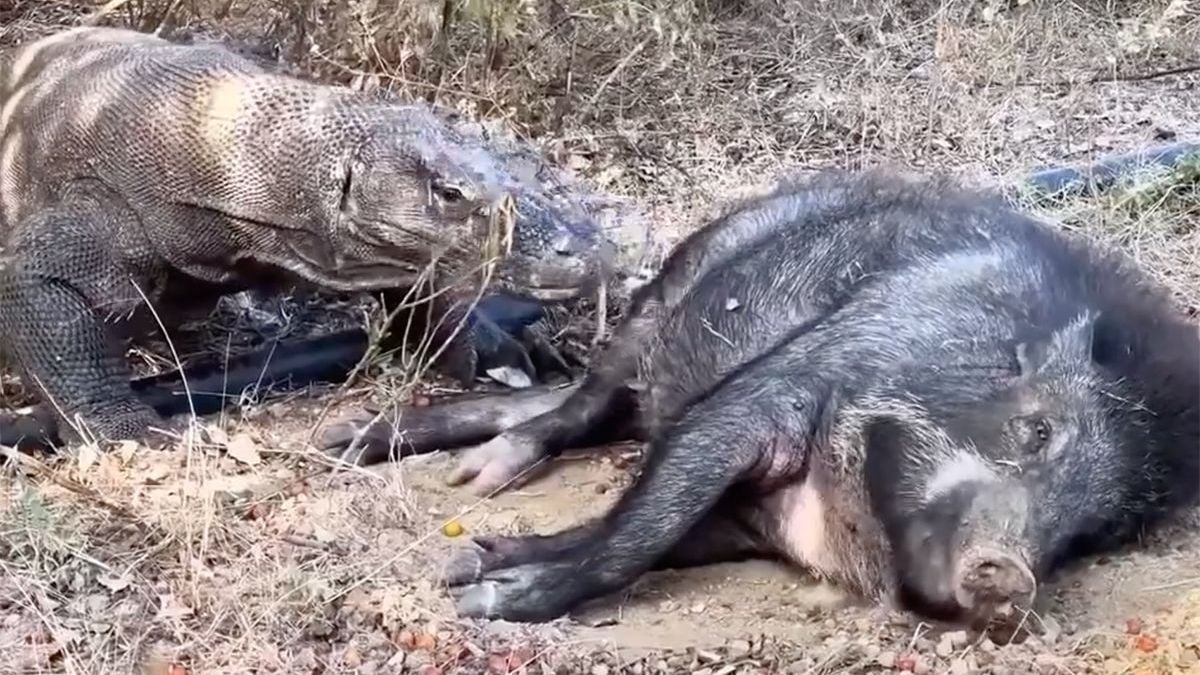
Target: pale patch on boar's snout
(960, 469)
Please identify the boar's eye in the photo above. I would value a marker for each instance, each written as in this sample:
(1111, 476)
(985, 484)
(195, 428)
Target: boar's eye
(1041, 432)
(447, 193)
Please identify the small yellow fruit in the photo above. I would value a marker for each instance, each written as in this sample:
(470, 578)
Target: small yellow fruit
(452, 529)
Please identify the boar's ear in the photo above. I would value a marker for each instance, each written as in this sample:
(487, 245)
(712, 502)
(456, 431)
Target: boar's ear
(1067, 346)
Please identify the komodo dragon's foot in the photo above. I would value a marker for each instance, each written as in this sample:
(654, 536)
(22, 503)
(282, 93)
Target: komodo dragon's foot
(498, 342)
(38, 429)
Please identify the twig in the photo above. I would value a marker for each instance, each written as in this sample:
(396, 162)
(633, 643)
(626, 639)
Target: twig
(1099, 79)
(108, 8)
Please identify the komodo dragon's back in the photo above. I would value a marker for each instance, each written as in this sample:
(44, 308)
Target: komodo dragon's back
(130, 164)
(181, 133)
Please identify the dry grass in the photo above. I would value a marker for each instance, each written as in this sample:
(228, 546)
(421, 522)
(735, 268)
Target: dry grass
(238, 555)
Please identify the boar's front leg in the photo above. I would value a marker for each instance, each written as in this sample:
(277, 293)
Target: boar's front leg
(722, 535)
(751, 431)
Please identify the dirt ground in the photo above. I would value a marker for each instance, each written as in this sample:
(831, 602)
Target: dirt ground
(246, 555)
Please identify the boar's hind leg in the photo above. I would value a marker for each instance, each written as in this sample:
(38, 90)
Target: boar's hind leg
(724, 441)
(362, 439)
(602, 409)
(523, 426)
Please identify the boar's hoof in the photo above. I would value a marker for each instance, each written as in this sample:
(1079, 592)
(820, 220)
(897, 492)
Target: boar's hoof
(357, 438)
(533, 592)
(466, 566)
(503, 462)
(994, 586)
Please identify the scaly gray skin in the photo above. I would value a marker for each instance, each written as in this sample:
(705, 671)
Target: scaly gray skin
(130, 165)
(903, 386)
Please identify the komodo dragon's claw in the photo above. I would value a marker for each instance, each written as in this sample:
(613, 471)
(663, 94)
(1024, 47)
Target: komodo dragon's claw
(34, 430)
(38, 429)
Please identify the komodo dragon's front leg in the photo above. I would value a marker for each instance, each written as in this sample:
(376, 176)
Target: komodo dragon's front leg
(68, 276)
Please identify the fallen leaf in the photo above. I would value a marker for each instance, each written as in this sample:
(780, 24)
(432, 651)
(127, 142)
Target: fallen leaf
(88, 455)
(218, 436)
(406, 640)
(127, 450)
(520, 658)
(425, 642)
(323, 535)
(257, 512)
(113, 583)
(172, 608)
(1146, 643)
(497, 663)
(509, 376)
(243, 448)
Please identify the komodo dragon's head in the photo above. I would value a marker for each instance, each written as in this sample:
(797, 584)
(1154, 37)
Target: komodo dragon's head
(425, 183)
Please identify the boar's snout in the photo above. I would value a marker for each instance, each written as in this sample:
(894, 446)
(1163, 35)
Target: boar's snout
(993, 585)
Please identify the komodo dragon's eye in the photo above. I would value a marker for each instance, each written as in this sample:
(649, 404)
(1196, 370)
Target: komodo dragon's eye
(345, 196)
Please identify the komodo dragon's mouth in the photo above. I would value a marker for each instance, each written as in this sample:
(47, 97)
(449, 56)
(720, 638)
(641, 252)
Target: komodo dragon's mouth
(554, 294)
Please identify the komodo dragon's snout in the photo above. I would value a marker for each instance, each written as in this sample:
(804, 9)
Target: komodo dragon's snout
(414, 185)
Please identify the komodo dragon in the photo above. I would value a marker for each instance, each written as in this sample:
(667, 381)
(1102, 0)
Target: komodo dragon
(137, 171)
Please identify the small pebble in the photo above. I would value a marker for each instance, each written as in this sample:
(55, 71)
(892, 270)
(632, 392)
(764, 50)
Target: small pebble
(739, 648)
(1052, 628)
(944, 648)
(599, 669)
(1045, 659)
(886, 659)
(959, 667)
(958, 638)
